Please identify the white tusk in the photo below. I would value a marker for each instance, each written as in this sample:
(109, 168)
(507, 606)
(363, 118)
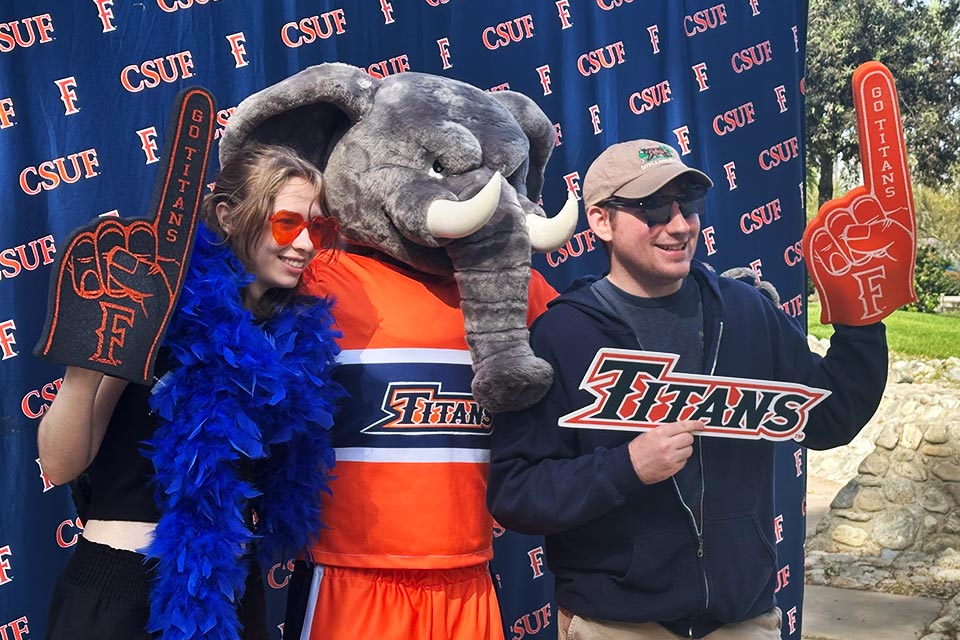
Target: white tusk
(550, 234)
(458, 219)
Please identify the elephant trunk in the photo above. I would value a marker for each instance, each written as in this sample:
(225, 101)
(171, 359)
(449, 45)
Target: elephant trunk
(492, 269)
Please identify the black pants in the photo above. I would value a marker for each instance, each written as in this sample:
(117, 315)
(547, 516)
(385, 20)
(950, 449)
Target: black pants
(104, 594)
(298, 596)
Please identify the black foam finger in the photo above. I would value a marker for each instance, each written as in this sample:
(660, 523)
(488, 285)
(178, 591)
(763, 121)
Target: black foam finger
(118, 329)
(178, 190)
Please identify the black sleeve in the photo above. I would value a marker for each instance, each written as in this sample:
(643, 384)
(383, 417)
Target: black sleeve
(540, 482)
(854, 370)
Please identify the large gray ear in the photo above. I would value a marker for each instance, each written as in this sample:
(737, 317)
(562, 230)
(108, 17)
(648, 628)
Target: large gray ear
(307, 111)
(539, 131)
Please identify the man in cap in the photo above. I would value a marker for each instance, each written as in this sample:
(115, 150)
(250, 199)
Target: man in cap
(665, 534)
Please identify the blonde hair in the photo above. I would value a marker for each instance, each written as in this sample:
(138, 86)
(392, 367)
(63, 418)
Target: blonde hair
(248, 186)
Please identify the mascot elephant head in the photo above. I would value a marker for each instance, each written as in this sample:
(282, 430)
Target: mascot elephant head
(440, 176)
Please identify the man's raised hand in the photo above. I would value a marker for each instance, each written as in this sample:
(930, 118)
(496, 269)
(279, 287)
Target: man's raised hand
(861, 248)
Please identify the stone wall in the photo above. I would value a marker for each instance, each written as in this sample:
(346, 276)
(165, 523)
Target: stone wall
(895, 524)
(906, 491)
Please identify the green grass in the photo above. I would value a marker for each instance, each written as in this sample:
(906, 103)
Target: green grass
(908, 332)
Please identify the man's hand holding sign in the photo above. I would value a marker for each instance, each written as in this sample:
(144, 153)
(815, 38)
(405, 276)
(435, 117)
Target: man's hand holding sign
(117, 283)
(861, 248)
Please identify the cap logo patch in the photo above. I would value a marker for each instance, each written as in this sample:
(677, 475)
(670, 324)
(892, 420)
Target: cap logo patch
(655, 154)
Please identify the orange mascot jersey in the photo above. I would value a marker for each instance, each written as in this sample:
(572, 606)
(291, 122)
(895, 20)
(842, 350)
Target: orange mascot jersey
(412, 446)
(407, 539)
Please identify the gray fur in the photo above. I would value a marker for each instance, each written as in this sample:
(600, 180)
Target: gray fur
(748, 275)
(378, 142)
(541, 134)
(306, 111)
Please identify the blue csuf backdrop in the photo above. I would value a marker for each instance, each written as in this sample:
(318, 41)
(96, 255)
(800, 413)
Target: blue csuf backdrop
(85, 90)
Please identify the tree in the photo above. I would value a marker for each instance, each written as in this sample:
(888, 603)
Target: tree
(931, 280)
(919, 41)
(938, 218)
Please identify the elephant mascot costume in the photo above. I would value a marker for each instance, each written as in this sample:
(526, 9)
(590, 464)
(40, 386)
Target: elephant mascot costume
(434, 184)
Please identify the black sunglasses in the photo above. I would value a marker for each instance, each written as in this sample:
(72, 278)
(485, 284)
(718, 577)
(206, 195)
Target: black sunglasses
(657, 208)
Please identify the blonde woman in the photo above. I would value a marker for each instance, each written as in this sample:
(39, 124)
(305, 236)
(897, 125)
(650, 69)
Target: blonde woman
(235, 424)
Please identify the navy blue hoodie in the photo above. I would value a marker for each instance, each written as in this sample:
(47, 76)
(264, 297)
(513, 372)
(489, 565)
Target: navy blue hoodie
(625, 551)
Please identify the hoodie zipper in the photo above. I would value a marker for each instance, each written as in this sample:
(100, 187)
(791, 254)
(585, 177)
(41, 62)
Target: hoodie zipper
(716, 351)
(703, 493)
(697, 528)
(693, 518)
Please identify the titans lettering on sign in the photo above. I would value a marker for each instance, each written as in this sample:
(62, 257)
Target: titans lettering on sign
(638, 390)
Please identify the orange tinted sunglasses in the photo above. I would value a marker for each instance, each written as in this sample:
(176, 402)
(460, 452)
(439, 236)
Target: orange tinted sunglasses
(287, 225)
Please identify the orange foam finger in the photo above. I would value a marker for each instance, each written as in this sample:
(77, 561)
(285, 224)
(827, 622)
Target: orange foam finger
(861, 247)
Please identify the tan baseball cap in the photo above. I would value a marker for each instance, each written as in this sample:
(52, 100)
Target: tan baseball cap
(635, 169)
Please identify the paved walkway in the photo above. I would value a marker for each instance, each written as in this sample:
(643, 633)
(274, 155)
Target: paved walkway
(851, 614)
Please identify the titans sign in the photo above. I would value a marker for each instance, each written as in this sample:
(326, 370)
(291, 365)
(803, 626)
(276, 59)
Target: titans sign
(637, 390)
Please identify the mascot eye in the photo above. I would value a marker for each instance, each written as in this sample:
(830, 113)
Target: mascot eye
(437, 169)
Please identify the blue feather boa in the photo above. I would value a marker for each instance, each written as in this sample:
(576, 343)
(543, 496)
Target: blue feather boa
(239, 394)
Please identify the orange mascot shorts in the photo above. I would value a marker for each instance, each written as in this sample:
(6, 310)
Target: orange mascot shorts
(403, 604)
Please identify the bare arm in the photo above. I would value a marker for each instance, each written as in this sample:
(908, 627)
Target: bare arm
(73, 427)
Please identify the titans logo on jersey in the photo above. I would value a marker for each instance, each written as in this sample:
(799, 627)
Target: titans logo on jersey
(412, 456)
(420, 408)
(399, 393)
